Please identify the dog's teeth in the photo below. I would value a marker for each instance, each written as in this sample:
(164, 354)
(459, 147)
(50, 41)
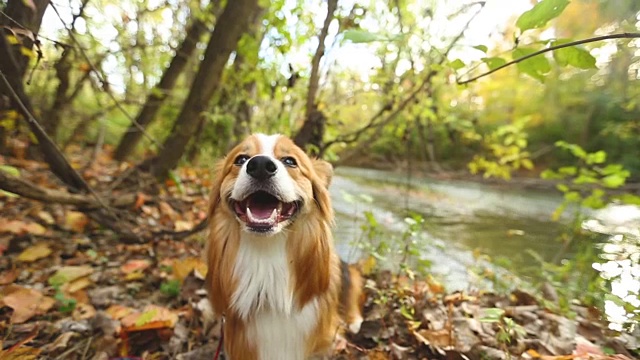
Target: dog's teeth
(272, 218)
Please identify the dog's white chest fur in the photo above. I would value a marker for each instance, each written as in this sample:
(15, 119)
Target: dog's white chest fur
(264, 299)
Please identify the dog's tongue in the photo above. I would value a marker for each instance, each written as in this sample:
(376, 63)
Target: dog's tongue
(262, 208)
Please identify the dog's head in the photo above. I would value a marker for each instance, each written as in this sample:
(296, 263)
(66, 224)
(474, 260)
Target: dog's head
(267, 183)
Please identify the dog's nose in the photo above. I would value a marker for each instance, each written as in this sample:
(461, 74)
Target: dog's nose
(261, 167)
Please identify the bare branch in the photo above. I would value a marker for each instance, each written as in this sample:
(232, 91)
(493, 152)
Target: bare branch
(552, 48)
(29, 190)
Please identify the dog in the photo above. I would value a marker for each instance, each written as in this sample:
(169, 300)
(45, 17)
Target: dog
(273, 271)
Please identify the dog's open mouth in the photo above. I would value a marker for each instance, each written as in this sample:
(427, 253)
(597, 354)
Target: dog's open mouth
(262, 211)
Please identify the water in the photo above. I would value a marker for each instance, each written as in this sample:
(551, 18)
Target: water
(461, 217)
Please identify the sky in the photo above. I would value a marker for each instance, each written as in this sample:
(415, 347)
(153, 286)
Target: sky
(359, 58)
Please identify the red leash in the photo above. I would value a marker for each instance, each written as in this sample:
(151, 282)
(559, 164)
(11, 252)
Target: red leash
(217, 355)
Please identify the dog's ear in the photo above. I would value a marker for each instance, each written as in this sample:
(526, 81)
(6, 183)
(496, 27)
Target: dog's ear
(214, 196)
(324, 171)
(320, 183)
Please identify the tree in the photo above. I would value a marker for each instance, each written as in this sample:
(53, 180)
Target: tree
(233, 22)
(157, 96)
(312, 130)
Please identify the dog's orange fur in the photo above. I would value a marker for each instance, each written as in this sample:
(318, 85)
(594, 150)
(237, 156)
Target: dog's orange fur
(313, 263)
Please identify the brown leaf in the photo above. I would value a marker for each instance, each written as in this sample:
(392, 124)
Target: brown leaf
(83, 311)
(23, 353)
(60, 343)
(137, 265)
(439, 338)
(25, 302)
(118, 312)
(35, 252)
(8, 277)
(19, 227)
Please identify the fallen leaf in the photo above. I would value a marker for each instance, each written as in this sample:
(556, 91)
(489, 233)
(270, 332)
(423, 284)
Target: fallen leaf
(140, 200)
(118, 312)
(8, 277)
(138, 265)
(439, 338)
(60, 343)
(46, 217)
(35, 252)
(181, 225)
(78, 284)
(83, 312)
(23, 353)
(153, 316)
(67, 274)
(25, 302)
(75, 221)
(19, 227)
(183, 267)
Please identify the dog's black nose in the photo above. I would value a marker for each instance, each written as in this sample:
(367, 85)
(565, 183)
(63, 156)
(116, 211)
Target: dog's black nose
(261, 167)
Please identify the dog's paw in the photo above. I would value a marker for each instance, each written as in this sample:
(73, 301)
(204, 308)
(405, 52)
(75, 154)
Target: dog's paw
(354, 326)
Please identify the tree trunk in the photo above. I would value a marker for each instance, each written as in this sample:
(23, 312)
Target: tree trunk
(232, 23)
(312, 130)
(157, 96)
(243, 110)
(23, 21)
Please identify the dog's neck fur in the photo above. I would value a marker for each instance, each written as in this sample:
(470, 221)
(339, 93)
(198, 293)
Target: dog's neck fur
(264, 298)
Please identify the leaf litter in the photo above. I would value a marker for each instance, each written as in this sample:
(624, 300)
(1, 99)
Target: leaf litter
(71, 290)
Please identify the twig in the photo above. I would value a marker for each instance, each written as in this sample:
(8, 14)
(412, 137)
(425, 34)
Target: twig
(29, 190)
(551, 48)
(103, 81)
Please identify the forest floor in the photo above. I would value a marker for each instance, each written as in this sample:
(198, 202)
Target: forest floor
(70, 289)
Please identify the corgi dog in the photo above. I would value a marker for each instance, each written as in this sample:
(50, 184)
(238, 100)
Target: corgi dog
(273, 272)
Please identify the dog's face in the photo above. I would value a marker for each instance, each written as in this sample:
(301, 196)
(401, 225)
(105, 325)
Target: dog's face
(267, 182)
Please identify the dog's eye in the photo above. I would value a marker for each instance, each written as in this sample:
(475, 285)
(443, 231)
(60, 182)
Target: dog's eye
(289, 161)
(241, 159)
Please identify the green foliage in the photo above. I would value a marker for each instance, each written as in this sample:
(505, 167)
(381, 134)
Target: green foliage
(508, 330)
(573, 55)
(541, 14)
(585, 184)
(536, 67)
(65, 304)
(494, 62)
(170, 288)
(506, 152)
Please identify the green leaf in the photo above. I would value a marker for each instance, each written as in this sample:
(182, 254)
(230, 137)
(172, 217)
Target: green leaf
(362, 36)
(597, 157)
(536, 67)
(10, 170)
(614, 181)
(574, 56)
(494, 62)
(482, 48)
(540, 14)
(457, 64)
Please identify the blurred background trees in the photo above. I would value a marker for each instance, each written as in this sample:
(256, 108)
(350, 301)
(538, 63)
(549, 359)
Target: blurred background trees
(370, 83)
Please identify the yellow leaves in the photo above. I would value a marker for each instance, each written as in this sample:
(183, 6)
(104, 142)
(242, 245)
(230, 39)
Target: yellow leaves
(183, 267)
(75, 221)
(152, 317)
(68, 274)
(439, 338)
(35, 252)
(368, 265)
(26, 303)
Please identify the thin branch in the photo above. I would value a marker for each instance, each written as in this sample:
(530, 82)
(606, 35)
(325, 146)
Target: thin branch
(30, 190)
(104, 82)
(552, 48)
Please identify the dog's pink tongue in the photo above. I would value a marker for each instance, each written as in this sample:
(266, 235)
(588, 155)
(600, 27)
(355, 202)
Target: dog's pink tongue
(262, 209)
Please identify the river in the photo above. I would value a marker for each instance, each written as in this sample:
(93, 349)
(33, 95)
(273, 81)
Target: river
(464, 219)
